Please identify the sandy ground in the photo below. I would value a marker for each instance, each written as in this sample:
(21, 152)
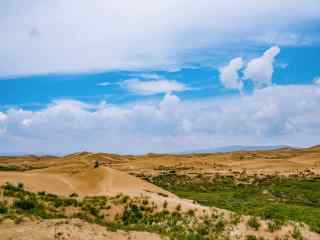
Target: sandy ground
(66, 230)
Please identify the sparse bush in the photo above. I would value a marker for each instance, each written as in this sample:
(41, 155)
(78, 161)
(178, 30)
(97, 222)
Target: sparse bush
(190, 212)
(9, 168)
(296, 234)
(3, 208)
(26, 204)
(235, 219)
(20, 185)
(254, 223)
(251, 237)
(131, 215)
(18, 220)
(74, 195)
(274, 225)
(178, 207)
(220, 226)
(42, 193)
(125, 199)
(165, 204)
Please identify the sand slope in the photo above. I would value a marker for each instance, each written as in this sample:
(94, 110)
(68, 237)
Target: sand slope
(90, 182)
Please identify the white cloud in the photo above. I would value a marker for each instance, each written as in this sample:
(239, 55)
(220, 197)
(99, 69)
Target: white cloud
(229, 75)
(151, 87)
(169, 103)
(260, 70)
(284, 115)
(316, 80)
(75, 36)
(103, 84)
(3, 119)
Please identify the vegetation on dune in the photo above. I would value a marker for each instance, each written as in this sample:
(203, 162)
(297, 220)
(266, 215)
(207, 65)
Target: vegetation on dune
(17, 168)
(275, 198)
(138, 213)
(122, 212)
(6, 167)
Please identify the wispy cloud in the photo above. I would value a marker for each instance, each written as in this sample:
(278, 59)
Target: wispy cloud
(286, 39)
(151, 87)
(103, 84)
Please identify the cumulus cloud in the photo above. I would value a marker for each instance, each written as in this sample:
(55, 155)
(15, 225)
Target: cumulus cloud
(260, 70)
(273, 115)
(151, 87)
(133, 34)
(229, 75)
(169, 103)
(3, 118)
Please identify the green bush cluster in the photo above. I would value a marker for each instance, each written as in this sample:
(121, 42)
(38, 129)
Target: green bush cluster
(275, 198)
(3, 208)
(254, 223)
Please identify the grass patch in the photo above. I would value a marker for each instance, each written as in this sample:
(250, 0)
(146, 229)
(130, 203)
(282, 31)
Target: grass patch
(270, 197)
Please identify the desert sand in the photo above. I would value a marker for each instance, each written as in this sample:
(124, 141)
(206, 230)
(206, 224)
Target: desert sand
(77, 173)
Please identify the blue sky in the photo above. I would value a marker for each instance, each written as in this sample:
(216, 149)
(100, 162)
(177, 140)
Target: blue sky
(119, 77)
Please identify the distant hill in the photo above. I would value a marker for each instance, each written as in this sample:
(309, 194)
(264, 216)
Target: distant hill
(236, 148)
(21, 154)
(232, 148)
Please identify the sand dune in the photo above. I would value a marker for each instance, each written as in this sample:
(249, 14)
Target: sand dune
(76, 173)
(90, 182)
(280, 160)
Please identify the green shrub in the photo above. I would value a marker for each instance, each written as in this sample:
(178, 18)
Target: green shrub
(131, 215)
(3, 208)
(296, 234)
(220, 226)
(235, 219)
(165, 204)
(9, 168)
(288, 198)
(178, 207)
(26, 204)
(253, 223)
(275, 225)
(251, 237)
(74, 195)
